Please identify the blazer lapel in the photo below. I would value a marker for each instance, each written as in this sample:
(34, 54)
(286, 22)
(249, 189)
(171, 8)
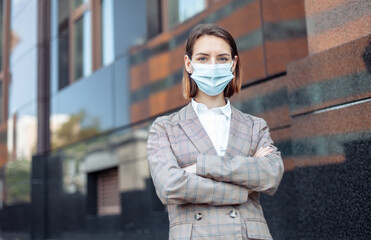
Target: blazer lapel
(240, 131)
(195, 131)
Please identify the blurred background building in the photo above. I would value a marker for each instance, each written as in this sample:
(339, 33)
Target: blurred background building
(81, 81)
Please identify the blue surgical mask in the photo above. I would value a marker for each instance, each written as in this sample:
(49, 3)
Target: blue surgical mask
(212, 78)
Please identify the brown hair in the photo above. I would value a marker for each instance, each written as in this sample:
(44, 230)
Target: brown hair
(189, 85)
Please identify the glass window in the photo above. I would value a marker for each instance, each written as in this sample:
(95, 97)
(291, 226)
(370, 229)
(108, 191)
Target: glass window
(63, 43)
(1, 191)
(63, 67)
(17, 180)
(189, 8)
(63, 12)
(1, 35)
(107, 32)
(154, 24)
(82, 46)
(77, 3)
(1, 102)
(77, 53)
(181, 10)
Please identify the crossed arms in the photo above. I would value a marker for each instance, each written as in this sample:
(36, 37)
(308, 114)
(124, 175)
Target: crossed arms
(217, 180)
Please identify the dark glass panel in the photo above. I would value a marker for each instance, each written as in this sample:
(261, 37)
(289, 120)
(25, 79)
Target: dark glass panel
(82, 45)
(1, 35)
(77, 3)
(63, 12)
(63, 66)
(1, 102)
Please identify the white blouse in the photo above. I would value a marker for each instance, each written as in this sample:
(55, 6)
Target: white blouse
(216, 122)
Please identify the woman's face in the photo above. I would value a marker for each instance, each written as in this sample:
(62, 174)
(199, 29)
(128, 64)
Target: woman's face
(209, 49)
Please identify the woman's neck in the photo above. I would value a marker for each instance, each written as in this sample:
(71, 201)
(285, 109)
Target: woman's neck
(210, 101)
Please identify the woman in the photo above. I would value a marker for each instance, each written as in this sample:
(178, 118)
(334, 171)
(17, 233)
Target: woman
(209, 162)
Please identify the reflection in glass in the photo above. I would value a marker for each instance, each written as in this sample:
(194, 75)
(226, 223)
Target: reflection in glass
(1, 188)
(3, 160)
(1, 37)
(125, 149)
(60, 58)
(79, 165)
(108, 192)
(17, 175)
(68, 128)
(173, 12)
(63, 66)
(1, 103)
(74, 179)
(63, 12)
(181, 10)
(82, 41)
(23, 29)
(77, 3)
(23, 82)
(9, 139)
(107, 32)
(189, 8)
(21, 146)
(26, 136)
(3, 148)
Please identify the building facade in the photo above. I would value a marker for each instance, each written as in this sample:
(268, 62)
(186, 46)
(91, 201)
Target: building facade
(81, 81)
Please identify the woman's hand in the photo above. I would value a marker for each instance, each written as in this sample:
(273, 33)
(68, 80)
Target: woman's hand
(260, 153)
(263, 151)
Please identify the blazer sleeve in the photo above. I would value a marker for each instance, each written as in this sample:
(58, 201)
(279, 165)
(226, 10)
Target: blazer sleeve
(175, 186)
(260, 174)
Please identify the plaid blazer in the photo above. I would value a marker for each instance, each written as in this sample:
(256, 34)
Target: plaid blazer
(213, 203)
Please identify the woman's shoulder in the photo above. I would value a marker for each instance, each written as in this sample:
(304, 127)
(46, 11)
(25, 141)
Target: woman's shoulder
(248, 117)
(171, 118)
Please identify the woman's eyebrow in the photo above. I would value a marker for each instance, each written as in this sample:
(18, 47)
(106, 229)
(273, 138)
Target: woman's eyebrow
(206, 54)
(224, 54)
(202, 54)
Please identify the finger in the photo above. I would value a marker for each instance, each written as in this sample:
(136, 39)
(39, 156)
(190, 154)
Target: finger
(267, 151)
(260, 151)
(257, 153)
(263, 151)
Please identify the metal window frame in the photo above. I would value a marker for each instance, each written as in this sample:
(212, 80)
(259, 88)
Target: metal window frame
(165, 13)
(95, 7)
(5, 75)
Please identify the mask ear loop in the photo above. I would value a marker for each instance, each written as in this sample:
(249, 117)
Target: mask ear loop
(232, 66)
(190, 79)
(192, 66)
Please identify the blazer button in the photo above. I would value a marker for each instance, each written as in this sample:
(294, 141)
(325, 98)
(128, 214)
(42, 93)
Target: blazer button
(198, 216)
(233, 213)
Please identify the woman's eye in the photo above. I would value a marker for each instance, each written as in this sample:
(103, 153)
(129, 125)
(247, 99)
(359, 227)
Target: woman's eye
(202, 59)
(223, 59)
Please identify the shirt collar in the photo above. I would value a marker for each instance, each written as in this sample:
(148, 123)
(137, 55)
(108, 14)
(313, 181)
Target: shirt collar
(201, 109)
